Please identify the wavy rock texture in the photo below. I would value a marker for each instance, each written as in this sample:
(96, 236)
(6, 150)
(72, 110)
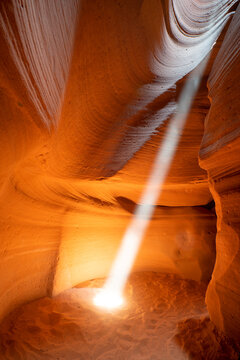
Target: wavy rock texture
(220, 156)
(116, 100)
(87, 90)
(35, 42)
(39, 37)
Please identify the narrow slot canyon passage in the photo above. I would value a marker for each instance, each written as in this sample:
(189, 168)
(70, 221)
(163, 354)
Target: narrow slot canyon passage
(119, 180)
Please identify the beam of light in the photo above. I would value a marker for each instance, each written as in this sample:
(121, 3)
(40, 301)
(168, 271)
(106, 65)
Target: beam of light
(110, 295)
(108, 299)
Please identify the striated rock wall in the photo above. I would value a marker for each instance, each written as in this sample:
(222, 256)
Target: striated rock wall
(219, 155)
(123, 76)
(70, 179)
(34, 61)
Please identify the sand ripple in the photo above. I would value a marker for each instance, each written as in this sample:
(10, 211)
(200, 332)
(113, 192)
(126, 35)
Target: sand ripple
(164, 317)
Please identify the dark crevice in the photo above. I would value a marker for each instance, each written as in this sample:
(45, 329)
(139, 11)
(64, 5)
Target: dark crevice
(210, 205)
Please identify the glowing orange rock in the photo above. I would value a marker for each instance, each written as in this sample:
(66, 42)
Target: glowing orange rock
(220, 156)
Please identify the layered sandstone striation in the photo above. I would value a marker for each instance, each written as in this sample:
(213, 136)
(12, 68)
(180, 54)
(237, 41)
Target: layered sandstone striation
(219, 155)
(85, 100)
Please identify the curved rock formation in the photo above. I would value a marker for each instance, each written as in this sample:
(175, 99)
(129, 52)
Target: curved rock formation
(87, 91)
(122, 63)
(219, 154)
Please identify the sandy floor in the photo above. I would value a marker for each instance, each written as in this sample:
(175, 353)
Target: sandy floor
(163, 317)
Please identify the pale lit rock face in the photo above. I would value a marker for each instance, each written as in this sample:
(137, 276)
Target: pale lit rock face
(220, 156)
(85, 101)
(41, 60)
(186, 247)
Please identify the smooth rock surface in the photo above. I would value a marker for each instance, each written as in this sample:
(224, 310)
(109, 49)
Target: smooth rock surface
(178, 240)
(219, 154)
(87, 91)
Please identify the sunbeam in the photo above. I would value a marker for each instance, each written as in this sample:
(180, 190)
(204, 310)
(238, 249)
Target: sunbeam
(111, 294)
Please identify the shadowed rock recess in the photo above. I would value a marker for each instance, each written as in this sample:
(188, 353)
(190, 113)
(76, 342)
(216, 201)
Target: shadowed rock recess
(88, 90)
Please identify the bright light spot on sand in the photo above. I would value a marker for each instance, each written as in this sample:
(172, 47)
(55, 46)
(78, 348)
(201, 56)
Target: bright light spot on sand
(108, 299)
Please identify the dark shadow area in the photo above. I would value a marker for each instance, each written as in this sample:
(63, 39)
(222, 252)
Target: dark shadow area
(210, 206)
(126, 204)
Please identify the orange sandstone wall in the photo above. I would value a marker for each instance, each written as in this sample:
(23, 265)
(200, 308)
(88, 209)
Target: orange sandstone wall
(33, 69)
(179, 240)
(219, 154)
(85, 99)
